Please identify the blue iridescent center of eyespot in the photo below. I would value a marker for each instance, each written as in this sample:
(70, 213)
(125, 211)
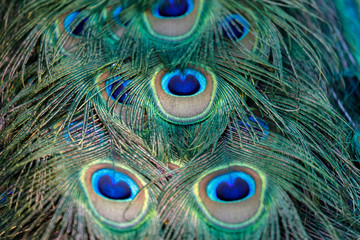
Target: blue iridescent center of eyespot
(109, 189)
(114, 185)
(68, 22)
(235, 27)
(115, 89)
(230, 187)
(173, 8)
(185, 84)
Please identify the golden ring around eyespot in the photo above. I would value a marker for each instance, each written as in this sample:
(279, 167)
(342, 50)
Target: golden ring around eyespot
(174, 29)
(184, 109)
(231, 215)
(118, 214)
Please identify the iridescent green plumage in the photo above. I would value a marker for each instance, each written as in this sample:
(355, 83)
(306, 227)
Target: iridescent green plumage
(276, 78)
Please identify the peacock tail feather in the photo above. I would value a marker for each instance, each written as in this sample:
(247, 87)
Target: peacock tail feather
(179, 119)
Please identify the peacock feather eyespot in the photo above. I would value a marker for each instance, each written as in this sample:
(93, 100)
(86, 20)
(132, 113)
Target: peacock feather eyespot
(231, 197)
(69, 21)
(115, 89)
(173, 20)
(114, 94)
(235, 27)
(114, 185)
(184, 97)
(70, 30)
(231, 187)
(173, 8)
(188, 83)
(114, 195)
(111, 90)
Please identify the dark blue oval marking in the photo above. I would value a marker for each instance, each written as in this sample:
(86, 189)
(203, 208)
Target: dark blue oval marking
(235, 27)
(117, 191)
(232, 190)
(173, 8)
(184, 85)
(114, 185)
(115, 89)
(231, 187)
(188, 83)
(68, 22)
